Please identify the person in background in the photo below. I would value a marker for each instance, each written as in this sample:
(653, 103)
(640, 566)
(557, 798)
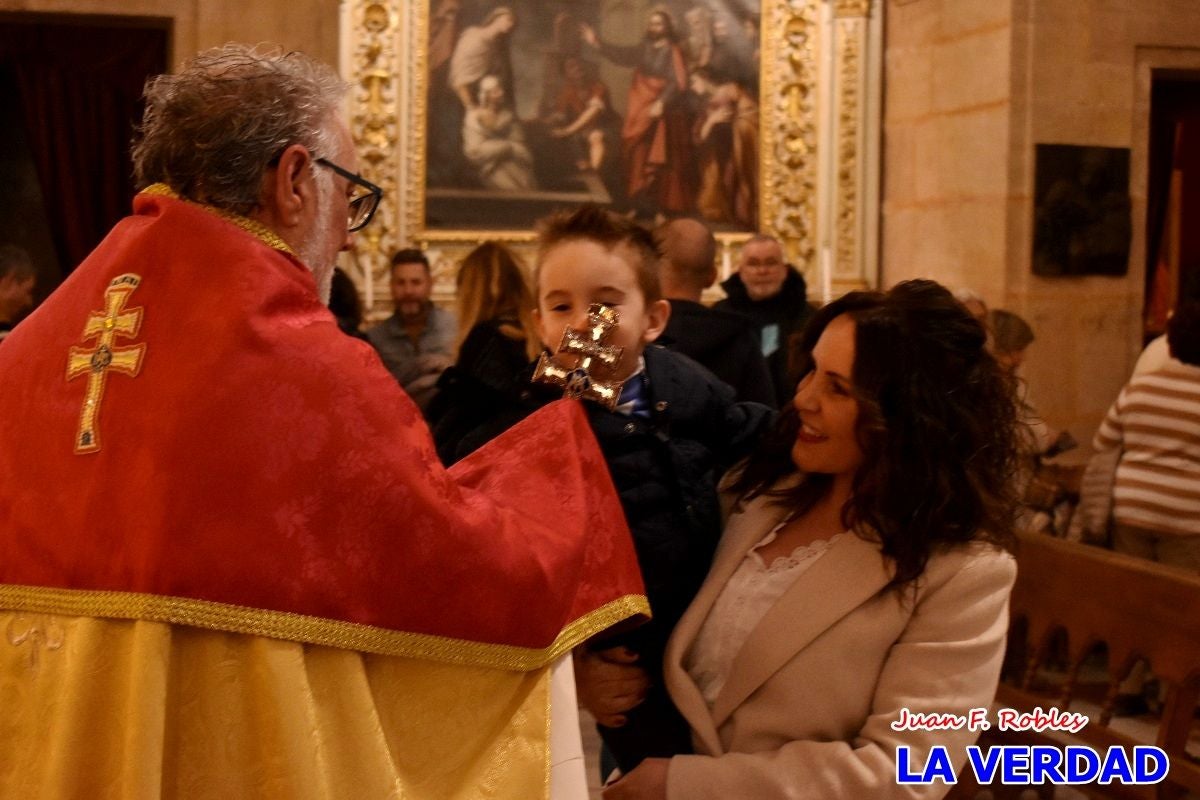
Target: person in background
(497, 339)
(345, 304)
(1141, 490)
(1155, 426)
(416, 342)
(724, 341)
(1155, 355)
(1044, 495)
(775, 296)
(17, 278)
(840, 596)
(974, 303)
(1011, 337)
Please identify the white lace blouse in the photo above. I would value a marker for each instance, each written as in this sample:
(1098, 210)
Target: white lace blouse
(746, 598)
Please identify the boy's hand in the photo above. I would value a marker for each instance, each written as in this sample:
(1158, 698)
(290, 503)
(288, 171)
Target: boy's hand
(609, 683)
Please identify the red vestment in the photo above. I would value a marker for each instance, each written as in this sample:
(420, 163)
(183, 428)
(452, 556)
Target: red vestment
(253, 457)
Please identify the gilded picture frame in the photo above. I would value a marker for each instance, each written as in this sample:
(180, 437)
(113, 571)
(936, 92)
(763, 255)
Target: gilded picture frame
(820, 118)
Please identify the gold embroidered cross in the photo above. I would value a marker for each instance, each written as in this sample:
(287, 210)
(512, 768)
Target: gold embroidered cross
(108, 324)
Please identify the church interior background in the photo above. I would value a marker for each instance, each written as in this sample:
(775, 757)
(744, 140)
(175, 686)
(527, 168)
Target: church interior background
(899, 139)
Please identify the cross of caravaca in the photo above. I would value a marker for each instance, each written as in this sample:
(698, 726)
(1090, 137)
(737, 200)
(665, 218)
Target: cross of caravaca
(96, 363)
(589, 346)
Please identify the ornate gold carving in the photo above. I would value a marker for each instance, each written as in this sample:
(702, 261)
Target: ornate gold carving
(375, 124)
(788, 150)
(849, 113)
(851, 8)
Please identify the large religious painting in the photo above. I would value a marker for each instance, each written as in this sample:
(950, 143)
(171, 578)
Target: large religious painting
(478, 117)
(648, 108)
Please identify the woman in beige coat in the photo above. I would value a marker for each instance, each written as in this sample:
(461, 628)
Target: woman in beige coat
(862, 576)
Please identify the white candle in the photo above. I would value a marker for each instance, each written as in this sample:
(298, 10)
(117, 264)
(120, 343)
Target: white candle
(826, 275)
(726, 262)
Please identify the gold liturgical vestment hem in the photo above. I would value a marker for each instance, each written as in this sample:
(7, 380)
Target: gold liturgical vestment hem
(136, 709)
(315, 630)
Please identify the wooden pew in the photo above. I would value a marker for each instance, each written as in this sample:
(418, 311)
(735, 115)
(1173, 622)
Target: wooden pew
(1137, 609)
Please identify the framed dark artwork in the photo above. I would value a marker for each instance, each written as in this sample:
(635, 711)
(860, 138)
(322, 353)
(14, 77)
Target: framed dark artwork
(1082, 218)
(648, 108)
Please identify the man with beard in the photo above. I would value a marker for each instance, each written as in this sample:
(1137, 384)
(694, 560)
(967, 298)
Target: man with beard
(416, 343)
(231, 564)
(656, 137)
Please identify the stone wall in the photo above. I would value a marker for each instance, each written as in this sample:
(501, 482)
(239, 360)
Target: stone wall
(947, 95)
(971, 86)
(1082, 76)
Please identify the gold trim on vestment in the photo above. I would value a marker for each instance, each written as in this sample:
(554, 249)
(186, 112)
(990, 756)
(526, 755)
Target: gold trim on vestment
(315, 630)
(253, 227)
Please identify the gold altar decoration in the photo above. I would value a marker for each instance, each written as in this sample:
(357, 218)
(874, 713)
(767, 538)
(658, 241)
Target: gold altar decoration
(375, 70)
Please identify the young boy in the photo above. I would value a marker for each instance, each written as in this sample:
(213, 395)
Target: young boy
(674, 430)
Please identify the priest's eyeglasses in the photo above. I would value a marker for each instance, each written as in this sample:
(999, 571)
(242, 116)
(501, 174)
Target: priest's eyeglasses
(362, 206)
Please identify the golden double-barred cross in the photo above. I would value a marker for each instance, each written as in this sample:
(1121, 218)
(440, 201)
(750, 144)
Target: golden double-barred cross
(108, 324)
(589, 345)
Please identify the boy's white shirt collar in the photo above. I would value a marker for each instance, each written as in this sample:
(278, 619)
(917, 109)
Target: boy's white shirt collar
(626, 408)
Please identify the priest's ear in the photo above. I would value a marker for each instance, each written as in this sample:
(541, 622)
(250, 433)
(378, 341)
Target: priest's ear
(289, 188)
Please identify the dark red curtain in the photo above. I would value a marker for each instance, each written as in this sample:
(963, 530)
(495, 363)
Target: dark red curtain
(1174, 157)
(80, 88)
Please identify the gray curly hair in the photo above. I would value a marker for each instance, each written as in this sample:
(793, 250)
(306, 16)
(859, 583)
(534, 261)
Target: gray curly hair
(211, 130)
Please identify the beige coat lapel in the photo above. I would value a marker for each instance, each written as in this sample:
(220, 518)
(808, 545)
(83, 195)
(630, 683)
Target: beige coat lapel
(744, 530)
(850, 573)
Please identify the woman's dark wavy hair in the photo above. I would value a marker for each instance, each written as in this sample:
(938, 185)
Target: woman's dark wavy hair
(937, 425)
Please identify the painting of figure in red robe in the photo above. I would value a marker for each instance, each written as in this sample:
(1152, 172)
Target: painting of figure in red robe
(651, 109)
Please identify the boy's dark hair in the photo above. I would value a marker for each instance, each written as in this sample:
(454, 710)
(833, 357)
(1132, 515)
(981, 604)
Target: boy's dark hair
(410, 255)
(594, 224)
(1183, 333)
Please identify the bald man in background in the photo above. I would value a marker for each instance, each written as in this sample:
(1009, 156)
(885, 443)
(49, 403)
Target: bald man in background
(724, 341)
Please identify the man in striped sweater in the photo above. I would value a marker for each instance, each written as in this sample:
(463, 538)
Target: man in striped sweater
(1155, 424)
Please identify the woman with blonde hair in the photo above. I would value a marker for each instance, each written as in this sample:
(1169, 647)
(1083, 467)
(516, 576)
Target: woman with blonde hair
(496, 340)
(494, 299)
